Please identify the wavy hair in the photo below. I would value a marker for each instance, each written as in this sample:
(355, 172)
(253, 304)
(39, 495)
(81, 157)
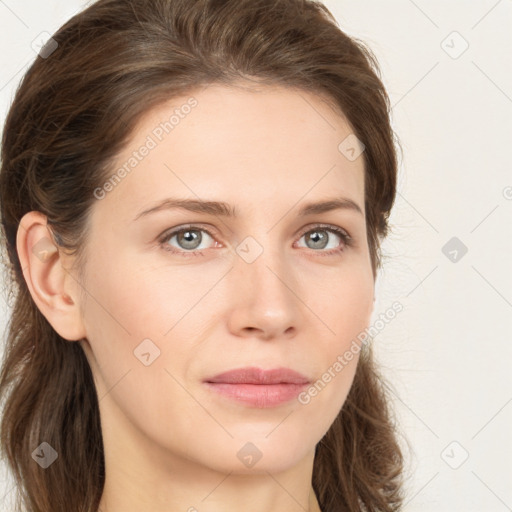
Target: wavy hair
(72, 113)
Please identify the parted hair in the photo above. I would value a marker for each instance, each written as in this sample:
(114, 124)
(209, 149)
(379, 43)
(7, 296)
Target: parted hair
(73, 111)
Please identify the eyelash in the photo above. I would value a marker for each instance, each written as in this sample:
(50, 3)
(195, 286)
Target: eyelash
(346, 238)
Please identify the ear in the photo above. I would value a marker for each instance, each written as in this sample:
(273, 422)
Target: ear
(53, 288)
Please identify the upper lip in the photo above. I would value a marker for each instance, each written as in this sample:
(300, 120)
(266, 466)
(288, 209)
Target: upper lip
(253, 375)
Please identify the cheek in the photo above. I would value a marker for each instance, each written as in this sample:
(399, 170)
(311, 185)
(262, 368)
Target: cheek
(345, 305)
(347, 311)
(354, 306)
(139, 300)
(129, 310)
(130, 302)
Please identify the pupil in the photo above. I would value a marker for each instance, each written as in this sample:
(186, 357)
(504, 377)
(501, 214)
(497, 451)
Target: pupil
(189, 239)
(318, 238)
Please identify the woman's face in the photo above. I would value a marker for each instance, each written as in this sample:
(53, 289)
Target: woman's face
(267, 287)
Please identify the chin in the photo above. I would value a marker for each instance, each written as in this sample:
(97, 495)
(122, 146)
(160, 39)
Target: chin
(260, 454)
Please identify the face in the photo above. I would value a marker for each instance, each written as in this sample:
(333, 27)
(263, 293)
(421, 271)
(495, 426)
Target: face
(177, 296)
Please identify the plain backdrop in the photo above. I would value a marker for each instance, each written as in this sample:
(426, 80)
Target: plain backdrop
(448, 354)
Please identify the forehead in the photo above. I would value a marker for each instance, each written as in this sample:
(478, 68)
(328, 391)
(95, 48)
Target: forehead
(241, 145)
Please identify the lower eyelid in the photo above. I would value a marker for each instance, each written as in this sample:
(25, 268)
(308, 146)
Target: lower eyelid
(340, 232)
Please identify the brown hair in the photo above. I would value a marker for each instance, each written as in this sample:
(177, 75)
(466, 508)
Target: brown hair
(72, 113)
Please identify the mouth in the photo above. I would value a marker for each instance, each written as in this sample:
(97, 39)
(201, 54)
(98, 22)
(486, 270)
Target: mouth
(258, 388)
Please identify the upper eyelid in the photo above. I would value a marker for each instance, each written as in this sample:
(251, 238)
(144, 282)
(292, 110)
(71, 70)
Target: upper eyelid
(173, 231)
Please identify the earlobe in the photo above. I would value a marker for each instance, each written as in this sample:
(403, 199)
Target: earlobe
(46, 277)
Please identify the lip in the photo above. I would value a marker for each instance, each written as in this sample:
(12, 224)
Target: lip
(257, 387)
(253, 375)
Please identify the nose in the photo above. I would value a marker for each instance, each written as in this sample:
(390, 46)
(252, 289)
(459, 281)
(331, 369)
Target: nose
(265, 299)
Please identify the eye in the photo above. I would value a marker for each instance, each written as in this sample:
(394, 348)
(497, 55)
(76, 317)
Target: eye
(320, 236)
(189, 240)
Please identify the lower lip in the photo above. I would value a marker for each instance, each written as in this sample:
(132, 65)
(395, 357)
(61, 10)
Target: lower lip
(258, 395)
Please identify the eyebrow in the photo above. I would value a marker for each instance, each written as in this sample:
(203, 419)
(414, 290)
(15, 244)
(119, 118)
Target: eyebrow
(220, 208)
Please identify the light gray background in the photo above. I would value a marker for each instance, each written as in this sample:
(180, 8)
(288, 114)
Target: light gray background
(448, 354)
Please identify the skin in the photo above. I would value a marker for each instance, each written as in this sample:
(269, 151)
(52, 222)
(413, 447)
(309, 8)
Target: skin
(170, 443)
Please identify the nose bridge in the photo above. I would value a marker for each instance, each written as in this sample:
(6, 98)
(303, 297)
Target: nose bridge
(262, 262)
(263, 285)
